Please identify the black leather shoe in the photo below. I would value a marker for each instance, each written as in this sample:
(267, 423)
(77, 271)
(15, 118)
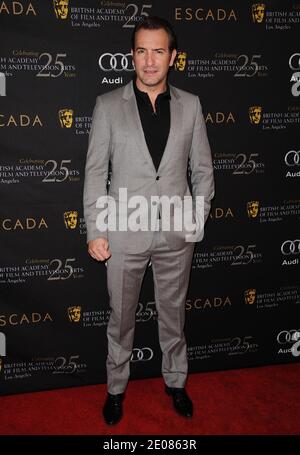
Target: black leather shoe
(112, 409)
(182, 403)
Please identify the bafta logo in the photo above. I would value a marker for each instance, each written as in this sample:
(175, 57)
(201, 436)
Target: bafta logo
(61, 8)
(70, 219)
(180, 61)
(74, 313)
(250, 296)
(258, 12)
(66, 117)
(252, 209)
(255, 114)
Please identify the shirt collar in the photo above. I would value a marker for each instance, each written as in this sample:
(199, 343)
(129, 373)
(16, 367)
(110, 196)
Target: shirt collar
(145, 96)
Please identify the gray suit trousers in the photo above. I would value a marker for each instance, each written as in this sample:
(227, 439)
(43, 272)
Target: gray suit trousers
(125, 272)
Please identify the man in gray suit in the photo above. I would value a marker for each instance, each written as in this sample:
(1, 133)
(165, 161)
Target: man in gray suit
(150, 133)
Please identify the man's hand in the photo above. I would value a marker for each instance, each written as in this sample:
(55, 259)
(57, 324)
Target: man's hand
(99, 249)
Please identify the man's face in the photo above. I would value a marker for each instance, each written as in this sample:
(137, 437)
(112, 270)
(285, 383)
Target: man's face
(152, 57)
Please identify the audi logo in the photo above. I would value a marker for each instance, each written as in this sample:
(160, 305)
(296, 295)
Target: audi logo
(292, 61)
(292, 158)
(144, 354)
(290, 247)
(287, 336)
(116, 62)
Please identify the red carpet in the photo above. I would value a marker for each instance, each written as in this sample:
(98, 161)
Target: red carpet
(256, 401)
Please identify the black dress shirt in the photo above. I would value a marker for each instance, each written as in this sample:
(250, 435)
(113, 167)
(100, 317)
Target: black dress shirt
(156, 124)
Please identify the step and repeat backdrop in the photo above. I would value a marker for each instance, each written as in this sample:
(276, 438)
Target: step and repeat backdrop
(243, 60)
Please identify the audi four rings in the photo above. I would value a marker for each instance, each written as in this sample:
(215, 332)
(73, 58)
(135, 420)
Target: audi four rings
(286, 336)
(144, 354)
(290, 247)
(293, 62)
(292, 158)
(116, 62)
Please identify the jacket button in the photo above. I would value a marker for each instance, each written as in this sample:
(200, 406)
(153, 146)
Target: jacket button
(157, 178)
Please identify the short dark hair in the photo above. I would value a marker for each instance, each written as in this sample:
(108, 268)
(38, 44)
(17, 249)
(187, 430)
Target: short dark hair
(156, 23)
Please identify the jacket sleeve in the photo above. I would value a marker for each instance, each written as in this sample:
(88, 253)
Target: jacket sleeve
(96, 170)
(200, 160)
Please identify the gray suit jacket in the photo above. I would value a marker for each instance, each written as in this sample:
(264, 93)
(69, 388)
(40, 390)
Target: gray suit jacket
(117, 136)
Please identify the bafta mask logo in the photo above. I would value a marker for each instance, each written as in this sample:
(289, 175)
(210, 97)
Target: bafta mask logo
(66, 117)
(61, 8)
(70, 219)
(180, 61)
(250, 296)
(258, 12)
(255, 114)
(74, 313)
(252, 209)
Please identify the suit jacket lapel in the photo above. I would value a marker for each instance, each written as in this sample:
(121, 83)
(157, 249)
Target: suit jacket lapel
(134, 122)
(175, 127)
